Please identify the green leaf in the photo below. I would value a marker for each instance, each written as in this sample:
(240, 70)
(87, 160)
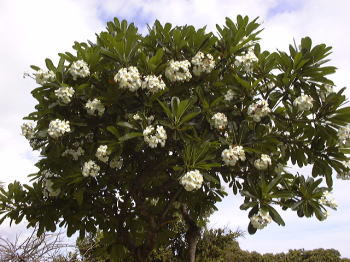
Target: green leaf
(275, 216)
(273, 183)
(211, 178)
(188, 117)
(79, 196)
(251, 230)
(126, 124)
(113, 130)
(165, 109)
(183, 106)
(36, 68)
(50, 65)
(129, 136)
(248, 205)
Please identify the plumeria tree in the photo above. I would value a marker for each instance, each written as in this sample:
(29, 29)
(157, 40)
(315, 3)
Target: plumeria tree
(137, 132)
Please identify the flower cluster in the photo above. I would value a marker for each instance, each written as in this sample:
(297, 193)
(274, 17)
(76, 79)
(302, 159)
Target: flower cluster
(58, 128)
(246, 61)
(259, 110)
(229, 95)
(231, 155)
(42, 77)
(79, 69)
(75, 153)
(153, 84)
(28, 130)
(90, 168)
(65, 94)
(128, 78)
(263, 162)
(303, 102)
(202, 63)
(261, 219)
(103, 153)
(49, 190)
(327, 200)
(116, 163)
(192, 180)
(344, 135)
(219, 120)
(154, 137)
(178, 71)
(94, 107)
(345, 175)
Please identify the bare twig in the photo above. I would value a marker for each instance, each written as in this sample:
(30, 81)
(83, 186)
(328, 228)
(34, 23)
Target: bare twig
(32, 249)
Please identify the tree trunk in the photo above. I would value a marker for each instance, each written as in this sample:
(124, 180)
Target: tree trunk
(141, 255)
(192, 237)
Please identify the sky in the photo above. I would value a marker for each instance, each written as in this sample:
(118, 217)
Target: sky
(36, 29)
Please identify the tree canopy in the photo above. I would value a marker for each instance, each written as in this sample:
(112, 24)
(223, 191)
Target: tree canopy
(138, 131)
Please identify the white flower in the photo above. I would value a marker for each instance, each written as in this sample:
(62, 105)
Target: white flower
(94, 107)
(65, 94)
(48, 173)
(90, 168)
(246, 61)
(58, 128)
(259, 110)
(153, 84)
(79, 69)
(49, 190)
(116, 163)
(150, 119)
(231, 155)
(327, 200)
(229, 95)
(43, 77)
(202, 63)
(345, 175)
(344, 135)
(178, 71)
(136, 117)
(154, 137)
(154, 201)
(219, 120)
(74, 153)
(103, 153)
(261, 219)
(28, 130)
(303, 102)
(192, 180)
(263, 162)
(128, 78)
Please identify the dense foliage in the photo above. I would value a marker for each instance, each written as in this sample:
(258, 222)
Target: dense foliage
(215, 245)
(137, 132)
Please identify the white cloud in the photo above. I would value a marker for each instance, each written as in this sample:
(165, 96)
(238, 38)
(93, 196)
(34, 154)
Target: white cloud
(31, 31)
(36, 29)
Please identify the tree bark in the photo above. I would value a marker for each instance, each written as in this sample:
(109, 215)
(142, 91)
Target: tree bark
(192, 235)
(140, 255)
